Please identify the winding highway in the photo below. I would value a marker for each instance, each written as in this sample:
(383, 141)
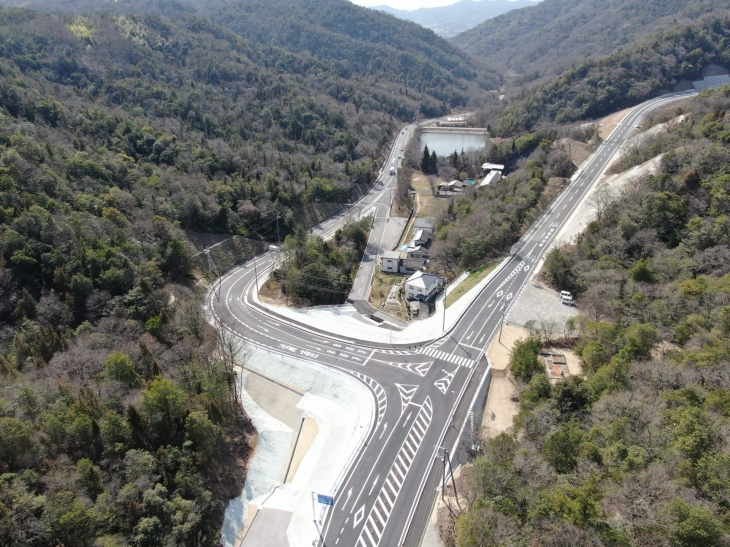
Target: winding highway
(423, 394)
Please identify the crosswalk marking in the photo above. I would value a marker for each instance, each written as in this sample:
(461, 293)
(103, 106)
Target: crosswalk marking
(438, 354)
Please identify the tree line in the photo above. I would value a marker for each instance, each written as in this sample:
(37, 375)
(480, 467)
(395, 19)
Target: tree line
(634, 452)
(598, 87)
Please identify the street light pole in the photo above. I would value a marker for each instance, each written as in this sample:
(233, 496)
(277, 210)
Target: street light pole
(256, 273)
(504, 306)
(443, 325)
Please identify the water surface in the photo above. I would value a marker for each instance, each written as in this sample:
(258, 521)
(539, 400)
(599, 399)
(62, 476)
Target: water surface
(446, 143)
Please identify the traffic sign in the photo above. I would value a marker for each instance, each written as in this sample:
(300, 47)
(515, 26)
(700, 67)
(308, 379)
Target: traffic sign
(325, 500)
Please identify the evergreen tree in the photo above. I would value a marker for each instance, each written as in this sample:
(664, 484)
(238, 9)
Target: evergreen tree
(434, 163)
(454, 159)
(426, 161)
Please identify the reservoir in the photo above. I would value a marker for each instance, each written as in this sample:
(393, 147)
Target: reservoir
(446, 143)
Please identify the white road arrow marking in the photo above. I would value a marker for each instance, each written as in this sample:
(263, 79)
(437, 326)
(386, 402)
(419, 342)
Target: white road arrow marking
(374, 483)
(385, 427)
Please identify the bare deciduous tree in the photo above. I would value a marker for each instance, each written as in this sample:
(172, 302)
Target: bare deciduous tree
(600, 200)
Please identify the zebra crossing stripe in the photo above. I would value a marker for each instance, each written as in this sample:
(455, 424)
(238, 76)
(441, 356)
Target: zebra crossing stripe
(461, 361)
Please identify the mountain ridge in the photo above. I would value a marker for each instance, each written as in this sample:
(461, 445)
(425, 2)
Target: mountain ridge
(546, 39)
(358, 40)
(450, 20)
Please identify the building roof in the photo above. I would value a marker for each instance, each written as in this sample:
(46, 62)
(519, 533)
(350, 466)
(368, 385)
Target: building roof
(423, 279)
(420, 236)
(391, 254)
(423, 224)
(491, 166)
(490, 178)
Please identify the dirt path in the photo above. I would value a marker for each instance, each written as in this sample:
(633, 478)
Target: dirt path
(502, 406)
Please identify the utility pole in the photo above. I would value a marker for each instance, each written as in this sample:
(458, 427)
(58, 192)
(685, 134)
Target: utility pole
(211, 267)
(278, 239)
(447, 461)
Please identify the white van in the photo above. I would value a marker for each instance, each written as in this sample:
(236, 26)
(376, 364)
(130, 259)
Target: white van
(392, 170)
(563, 294)
(566, 300)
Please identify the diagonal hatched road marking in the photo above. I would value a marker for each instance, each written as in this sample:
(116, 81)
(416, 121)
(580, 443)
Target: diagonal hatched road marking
(379, 394)
(443, 383)
(384, 503)
(406, 394)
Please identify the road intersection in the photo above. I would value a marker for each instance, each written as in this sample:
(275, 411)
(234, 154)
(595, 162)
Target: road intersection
(422, 393)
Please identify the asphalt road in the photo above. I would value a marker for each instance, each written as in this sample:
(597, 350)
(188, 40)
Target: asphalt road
(423, 393)
(377, 203)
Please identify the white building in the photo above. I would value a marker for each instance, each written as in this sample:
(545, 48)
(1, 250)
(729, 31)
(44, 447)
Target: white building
(487, 167)
(490, 178)
(390, 261)
(422, 285)
(453, 186)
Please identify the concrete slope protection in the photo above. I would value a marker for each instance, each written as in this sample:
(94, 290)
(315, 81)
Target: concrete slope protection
(425, 391)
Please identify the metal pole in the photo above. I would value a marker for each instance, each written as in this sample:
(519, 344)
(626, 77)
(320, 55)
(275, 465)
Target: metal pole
(443, 477)
(443, 325)
(501, 322)
(453, 481)
(256, 272)
(278, 238)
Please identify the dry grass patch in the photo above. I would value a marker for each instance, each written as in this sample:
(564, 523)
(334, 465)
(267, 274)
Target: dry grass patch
(382, 282)
(470, 282)
(428, 204)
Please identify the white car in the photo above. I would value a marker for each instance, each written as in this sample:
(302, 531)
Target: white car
(566, 298)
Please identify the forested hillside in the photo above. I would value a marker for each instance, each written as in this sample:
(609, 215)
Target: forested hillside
(597, 88)
(636, 454)
(119, 136)
(483, 223)
(360, 42)
(555, 35)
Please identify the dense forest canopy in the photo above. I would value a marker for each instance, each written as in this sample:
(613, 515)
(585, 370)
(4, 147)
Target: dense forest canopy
(546, 39)
(597, 88)
(637, 453)
(120, 136)
(358, 41)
